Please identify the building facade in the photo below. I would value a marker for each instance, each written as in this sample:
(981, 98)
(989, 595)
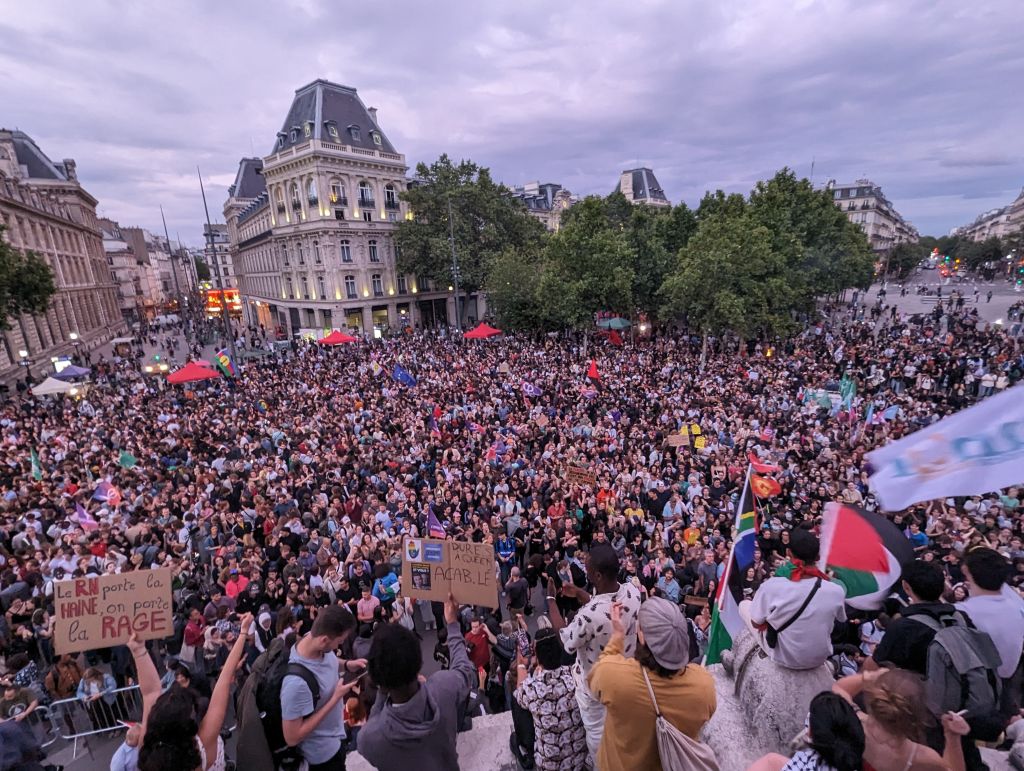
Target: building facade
(311, 226)
(999, 223)
(865, 204)
(217, 255)
(45, 209)
(641, 186)
(545, 202)
(140, 287)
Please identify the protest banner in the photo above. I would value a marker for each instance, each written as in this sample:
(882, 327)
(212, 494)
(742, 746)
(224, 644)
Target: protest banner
(431, 568)
(575, 475)
(102, 611)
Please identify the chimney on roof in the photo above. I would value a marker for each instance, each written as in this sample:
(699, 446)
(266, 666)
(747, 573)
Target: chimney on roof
(69, 169)
(373, 115)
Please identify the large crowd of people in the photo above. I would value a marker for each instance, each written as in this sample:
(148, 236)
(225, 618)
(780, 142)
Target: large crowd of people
(280, 498)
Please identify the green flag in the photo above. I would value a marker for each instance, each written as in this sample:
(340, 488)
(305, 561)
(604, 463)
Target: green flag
(37, 469)
(127, 460)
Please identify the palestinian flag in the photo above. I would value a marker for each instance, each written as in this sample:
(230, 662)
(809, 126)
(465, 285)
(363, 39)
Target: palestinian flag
(865, 552)
(592, 374)
(37, 467)
(127, 460)
(726, 623)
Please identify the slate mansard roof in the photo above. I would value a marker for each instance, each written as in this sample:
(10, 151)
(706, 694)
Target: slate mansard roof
(322, 104)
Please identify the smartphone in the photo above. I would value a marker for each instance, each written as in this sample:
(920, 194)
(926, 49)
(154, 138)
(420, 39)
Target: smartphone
(524, 645)
(351, 677)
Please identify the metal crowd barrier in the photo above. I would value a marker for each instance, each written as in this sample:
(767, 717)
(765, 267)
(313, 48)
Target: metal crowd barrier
(74, 719)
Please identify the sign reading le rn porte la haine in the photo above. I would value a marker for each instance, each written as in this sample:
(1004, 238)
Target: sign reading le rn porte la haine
(102, 611)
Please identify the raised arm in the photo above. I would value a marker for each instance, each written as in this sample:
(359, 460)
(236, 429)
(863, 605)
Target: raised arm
(149, 680)
(213, 721)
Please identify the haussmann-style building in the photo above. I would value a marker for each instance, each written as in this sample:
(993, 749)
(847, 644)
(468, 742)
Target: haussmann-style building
(45, 209)
(311, 227)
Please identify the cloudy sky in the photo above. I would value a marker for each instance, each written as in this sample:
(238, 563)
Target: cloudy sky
(921, 97)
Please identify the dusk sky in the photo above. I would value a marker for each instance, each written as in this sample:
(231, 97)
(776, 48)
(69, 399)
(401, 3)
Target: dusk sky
(921, 97)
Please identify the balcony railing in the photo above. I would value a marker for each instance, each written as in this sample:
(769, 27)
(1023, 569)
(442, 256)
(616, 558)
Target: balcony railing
(339, 200)
(296, 205)
(363, 201)
(391, 203)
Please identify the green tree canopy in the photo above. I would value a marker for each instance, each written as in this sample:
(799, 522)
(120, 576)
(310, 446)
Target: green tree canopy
(513, 282)
(26, 282)
(202, 269)
(826, 253)
(904, 257)
(729, 278)
(486, 221)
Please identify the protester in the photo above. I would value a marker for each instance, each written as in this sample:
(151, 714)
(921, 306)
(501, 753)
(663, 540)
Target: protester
(590, 630)
(548, 693)
(797, 612)
(414, 719)
(684, 693)
(318, 728)
(835, 739)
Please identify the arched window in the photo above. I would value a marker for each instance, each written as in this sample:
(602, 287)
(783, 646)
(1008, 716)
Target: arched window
(374, 256)
(346, 251)
(316, 252)
(311, 193)
(296, 203)
(338, 193)
(365, 194)
(390, 197)
(350, 287)
(279, 197)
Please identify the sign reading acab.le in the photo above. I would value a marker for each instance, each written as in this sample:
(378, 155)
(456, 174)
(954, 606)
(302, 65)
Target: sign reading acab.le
(102, 611)
(431, 568)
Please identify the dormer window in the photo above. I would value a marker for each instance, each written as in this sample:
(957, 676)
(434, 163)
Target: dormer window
(332, 131)
(376, 137)
(353, 132)
(280, 140)
(294, 135)
(307, 128)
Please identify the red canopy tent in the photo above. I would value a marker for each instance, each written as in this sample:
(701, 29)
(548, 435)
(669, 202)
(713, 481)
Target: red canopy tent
(191, 372)
(337, 338)
(481, 332)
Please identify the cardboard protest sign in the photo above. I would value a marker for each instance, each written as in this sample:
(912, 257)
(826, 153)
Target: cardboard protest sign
(575, 475)
(102, 611)
(503, 368)
(699, 443)
(432, 568)
(678, 440)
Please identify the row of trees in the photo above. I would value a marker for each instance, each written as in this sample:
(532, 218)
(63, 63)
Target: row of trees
(733, 264)
(985, 256)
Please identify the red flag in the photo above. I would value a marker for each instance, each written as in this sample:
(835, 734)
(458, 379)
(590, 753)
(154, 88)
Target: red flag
(760, 466)
(614, 338)
(592, 371)
(764, 487)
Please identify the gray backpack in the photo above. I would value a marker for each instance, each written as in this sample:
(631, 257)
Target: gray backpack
(962, 673)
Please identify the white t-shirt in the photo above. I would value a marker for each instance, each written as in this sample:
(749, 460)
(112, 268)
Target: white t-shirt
(807, 642)
(1001, 617)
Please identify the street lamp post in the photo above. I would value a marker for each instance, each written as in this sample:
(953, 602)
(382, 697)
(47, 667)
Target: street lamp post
(26, 362)
(455, 264)
(76, 342)
(216, 264)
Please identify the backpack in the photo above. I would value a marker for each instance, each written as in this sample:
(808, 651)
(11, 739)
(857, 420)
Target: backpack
(268, 673)
(677, 751)
(961, 674)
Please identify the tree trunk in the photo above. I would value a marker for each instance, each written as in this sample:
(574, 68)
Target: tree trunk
(703, 351)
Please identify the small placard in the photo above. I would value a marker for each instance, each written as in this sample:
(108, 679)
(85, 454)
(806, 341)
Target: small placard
(575, 475)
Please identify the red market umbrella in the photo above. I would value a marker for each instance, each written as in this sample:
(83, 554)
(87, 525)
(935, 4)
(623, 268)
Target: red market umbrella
(337, 338)
(481, 332)
(191, 372)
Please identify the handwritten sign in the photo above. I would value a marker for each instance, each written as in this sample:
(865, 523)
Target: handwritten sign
(575, 475)
(432, 568)
(102, 611)
(503, 368)
(678, 440)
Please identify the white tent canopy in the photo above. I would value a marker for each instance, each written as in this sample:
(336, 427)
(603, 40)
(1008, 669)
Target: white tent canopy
(52, 386)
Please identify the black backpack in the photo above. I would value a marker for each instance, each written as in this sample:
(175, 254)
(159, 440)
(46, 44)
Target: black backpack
(276, 667)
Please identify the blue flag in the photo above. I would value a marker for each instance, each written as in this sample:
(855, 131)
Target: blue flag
(892, 412)
(402, 376)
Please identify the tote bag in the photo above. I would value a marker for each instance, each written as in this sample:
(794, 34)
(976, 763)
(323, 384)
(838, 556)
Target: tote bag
(678, 752)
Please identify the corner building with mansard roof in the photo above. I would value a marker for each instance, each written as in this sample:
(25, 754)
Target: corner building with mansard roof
(311, 226)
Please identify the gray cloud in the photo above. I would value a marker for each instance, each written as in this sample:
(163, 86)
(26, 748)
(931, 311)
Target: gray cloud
(918, 96)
